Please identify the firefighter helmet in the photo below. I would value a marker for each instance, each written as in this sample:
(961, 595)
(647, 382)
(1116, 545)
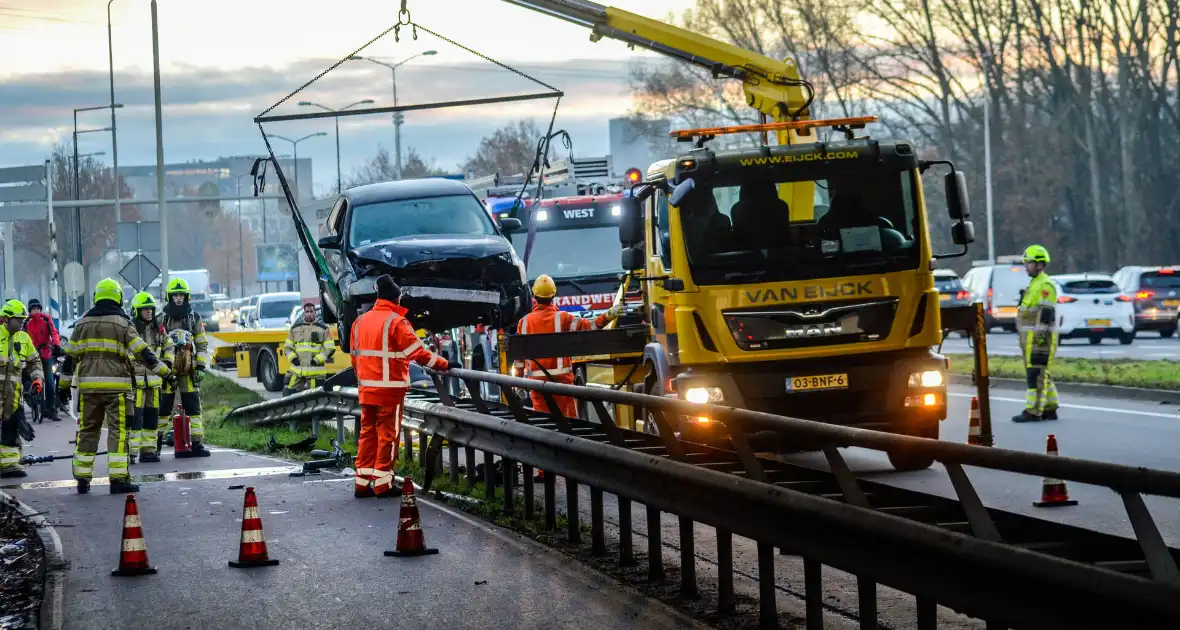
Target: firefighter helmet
(14, 308)
(108, 289)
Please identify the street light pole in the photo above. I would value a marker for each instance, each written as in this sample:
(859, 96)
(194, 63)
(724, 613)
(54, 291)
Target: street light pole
(339, 185)
(241, 241)
(114, 132)
(295, 150)
(398, 117)
(77, 167)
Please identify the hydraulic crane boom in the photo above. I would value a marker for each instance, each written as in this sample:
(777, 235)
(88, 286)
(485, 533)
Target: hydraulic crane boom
(772, 87)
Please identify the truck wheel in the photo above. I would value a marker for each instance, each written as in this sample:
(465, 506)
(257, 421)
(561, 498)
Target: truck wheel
(908, 461)
(268, 370)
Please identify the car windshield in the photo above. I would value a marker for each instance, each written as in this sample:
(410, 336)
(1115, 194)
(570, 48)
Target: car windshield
(564, 253)
(452, 214)
(741, 232)
(1089, 287)
(947, 284)
(1007, 283)
(1158, 280)
(277, 308)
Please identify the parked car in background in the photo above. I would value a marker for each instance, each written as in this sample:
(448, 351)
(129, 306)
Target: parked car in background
(204, 308)
(274, 308)
(1155, 294)
(223, 308)
(998, 287)
(1092, 306)
(245, 317)
(950, 289)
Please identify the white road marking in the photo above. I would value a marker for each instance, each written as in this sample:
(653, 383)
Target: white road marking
(1153, 414)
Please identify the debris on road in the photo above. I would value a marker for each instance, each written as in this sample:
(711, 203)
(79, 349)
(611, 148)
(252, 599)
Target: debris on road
(22, 568)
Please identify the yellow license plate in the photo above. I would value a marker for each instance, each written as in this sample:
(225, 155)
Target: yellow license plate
(944, 297)
(809, 383)
(1171, 302)
(1006, 310)
(1097, 322)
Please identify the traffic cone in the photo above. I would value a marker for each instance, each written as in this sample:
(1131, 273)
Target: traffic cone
(252, 551)
(1053, 492)
(973, 426)
(133, 558)
(410, 540)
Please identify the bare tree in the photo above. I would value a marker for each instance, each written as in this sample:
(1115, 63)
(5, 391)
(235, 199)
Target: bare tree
(509, 150)
(380, 168)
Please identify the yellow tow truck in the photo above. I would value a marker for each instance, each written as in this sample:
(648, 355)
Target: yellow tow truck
(792, 277)
(259, 354)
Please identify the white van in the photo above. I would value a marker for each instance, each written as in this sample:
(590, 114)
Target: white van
(274, 308)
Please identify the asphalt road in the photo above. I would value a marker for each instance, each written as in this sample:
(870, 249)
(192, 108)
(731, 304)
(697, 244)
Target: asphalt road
(1147, 346)
(332, 573)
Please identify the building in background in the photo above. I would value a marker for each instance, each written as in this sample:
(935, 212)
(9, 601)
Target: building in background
(637, 146)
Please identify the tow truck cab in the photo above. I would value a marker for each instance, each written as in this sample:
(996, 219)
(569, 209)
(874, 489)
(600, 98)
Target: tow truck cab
(795, 280)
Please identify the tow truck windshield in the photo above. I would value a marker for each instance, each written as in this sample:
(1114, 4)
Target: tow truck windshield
(741, 232)
(451, 214)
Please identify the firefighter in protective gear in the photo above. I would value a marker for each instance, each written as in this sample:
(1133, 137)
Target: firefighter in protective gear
(145, 437)
(383, 344)
(100, 361)
(17, 353)
(1036, 323)
(546, 318)
(309, 347)
(191, 354)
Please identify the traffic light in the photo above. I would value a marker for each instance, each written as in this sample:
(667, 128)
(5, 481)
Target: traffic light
(634, 176)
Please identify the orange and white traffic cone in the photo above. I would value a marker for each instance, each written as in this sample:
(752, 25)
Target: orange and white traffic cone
(410, 540)
(1053, 492)
(133, 558)
(252, 550)
(973, 424)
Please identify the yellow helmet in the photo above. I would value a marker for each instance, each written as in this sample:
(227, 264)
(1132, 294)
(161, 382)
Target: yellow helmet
(14, 308)
(143, 299)
(177, 285)
(108, 289)
(544, 287)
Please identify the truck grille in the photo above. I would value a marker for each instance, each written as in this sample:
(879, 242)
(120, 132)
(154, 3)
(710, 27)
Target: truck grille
(809, 325)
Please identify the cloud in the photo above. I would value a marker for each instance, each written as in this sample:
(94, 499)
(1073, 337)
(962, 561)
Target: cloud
(208, 113)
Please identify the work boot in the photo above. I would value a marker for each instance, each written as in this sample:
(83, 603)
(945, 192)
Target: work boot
(123, 487)
(12, 472)
(1049, 413)
(1027, 416)
(83, 486)
(199, 450)
(149, 458)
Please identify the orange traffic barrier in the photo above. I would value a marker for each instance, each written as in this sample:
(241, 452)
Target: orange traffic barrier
(252, 550)
(973, 425)
(1053, 491)
(133, 558)
(410, 539)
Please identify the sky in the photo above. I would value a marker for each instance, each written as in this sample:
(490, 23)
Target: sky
(224, 62)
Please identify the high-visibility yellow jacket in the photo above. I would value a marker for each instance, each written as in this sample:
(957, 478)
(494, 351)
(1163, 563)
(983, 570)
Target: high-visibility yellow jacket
(101, 353)
(193, 324)
(313, 346)
(17, 352)
(161, 345)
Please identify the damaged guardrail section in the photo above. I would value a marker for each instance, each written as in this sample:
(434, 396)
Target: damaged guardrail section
(976, 573)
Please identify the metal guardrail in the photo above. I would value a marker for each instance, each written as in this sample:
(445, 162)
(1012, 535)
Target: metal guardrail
(976, 571)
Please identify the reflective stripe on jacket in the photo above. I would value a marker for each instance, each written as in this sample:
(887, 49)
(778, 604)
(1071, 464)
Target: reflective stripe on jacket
(547, 318)
(313, 345)
(161, 345)
(16, 353)
(383, 344)
(103, 348)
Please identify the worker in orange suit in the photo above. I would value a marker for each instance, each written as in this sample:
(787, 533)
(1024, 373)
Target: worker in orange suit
(383, 344)
(546, 318)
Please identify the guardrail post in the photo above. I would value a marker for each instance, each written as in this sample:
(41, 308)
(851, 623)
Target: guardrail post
(315, 429)
(356, 431)
(725, 598)
(489, 476)
(529, 498)
(626, 550)
(509, 479)
(688, 560)
(453, 456)
(422, 449)
(655, 546)
(813, 592)
(597, 531)
(866, 594)
(550, 501)
(339, 429)
(469, 454)
(409, 440)
(767, 604)
(573, 523)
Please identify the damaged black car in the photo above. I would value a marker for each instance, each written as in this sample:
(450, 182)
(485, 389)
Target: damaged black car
(438, 242)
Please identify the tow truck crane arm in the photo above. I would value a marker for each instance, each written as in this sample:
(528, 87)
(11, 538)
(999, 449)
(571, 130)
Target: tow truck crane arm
(772, 87)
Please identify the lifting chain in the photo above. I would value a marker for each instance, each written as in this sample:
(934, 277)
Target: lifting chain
(403, 19)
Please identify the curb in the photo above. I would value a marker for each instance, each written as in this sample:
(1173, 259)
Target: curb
(1161, 396)
(51, 616)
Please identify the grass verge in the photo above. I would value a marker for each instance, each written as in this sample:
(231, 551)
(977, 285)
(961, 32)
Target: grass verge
(1126, 373)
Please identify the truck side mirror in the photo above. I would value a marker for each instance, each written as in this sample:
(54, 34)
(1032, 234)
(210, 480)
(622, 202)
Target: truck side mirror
(332, 241)
(963, 233)
(510, 224)
(681, 191)
(631, 222)
(957, 205)
(632, 259)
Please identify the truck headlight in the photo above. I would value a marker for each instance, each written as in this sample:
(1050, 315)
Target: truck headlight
(929, 378)
(702, 395)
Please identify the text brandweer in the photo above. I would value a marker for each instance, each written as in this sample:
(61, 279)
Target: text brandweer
(842, 289)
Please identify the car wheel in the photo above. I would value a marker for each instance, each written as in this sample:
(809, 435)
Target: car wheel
(1094, 340)
(1127, 338)
(1167, 334)
(268, 370)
